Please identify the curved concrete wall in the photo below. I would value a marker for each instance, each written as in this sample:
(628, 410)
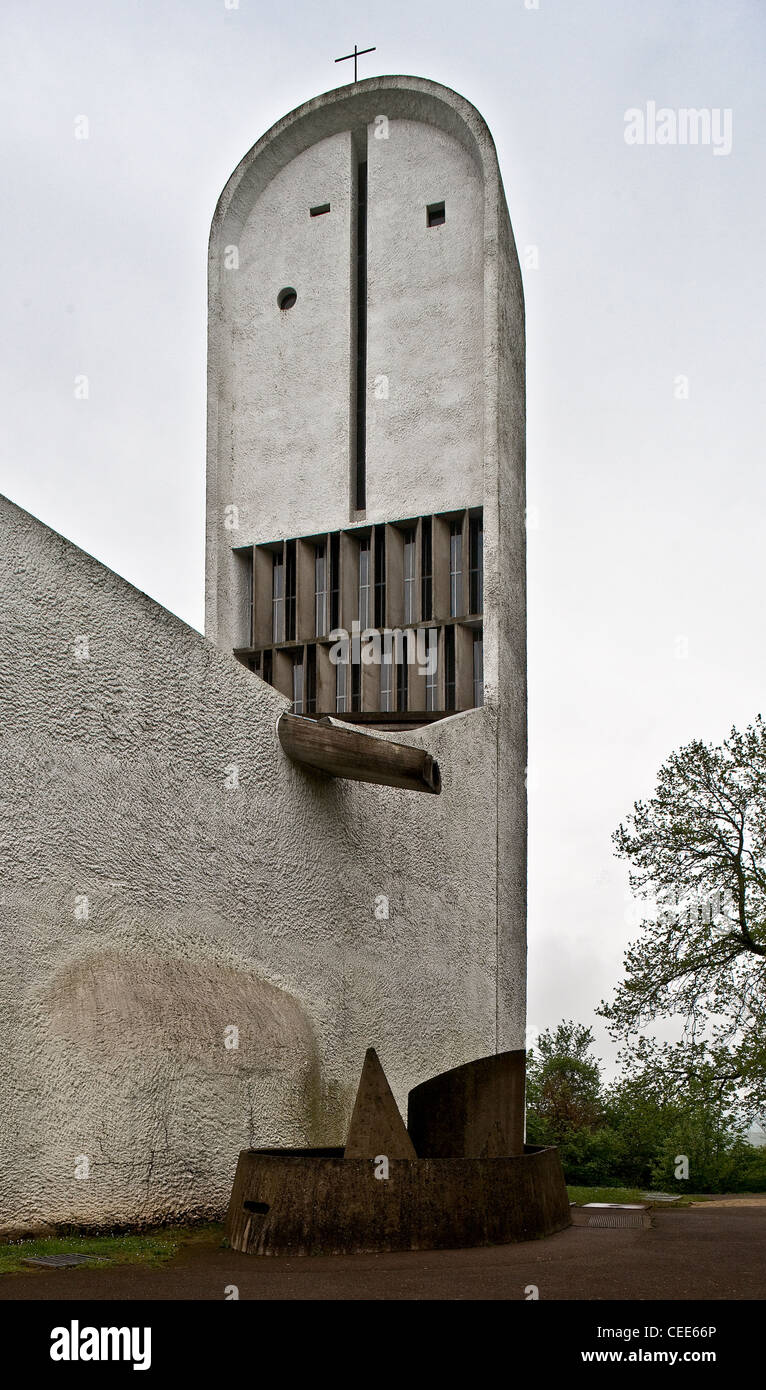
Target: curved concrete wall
(208, 905)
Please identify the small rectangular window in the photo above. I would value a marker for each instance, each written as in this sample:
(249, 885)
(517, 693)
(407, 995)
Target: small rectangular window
(267, 668)
(320, 590)
(319, 210)
(431, 675)
(250, 582)
(449, 668)
(402, 682)
(409, 576)
(364, 585)
(380, 576)
(426, 569)
(476, 563)
(278, 598)
(436, 214)
(243, 557)
(334, 580)
(455, 569)
(386, 673)
(356, 686)
(298, 684)
(311, 680)
(478, 668)
(290, 591)
(340, 687)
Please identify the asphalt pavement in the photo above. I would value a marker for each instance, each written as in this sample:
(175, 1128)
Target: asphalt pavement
(715, 1251)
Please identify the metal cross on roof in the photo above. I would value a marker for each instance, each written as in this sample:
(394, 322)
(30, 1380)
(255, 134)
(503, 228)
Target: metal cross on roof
(357, 53)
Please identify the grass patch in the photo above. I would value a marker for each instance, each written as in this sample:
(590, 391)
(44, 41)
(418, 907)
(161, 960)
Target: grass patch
(153, 1247)
(581, 1195)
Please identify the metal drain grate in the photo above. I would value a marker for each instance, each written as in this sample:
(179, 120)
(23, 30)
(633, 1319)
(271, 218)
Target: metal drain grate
(614, 1219)
(60, 1261)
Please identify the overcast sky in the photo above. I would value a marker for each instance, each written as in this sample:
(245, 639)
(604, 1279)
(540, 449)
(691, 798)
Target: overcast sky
(646, 553)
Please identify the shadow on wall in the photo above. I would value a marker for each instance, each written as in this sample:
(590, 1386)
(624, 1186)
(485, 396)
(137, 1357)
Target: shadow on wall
(144, 1078)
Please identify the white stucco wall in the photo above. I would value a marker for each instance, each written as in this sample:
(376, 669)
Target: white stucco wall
(207, 907)
(425, 323)
(284, 408)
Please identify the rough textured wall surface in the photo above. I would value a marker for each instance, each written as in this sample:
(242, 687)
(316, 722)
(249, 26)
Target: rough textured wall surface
(425, 306)
(284, 378)
(167, 873)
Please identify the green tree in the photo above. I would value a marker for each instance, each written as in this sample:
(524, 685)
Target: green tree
(565, 1105)
(697, 851)
(563, 1083)
(677, 1129)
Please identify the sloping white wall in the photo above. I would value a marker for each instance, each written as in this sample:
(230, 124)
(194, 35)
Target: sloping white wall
(207, 906)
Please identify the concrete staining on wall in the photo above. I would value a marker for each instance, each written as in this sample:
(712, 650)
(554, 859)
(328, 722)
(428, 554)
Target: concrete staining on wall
(208, 906)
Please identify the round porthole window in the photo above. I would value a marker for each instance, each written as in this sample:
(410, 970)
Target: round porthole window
(286, 298)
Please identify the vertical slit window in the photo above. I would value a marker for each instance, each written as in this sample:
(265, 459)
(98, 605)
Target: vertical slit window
(455, 568)
(361, 338)
(478, 668)
(386, 675)
(476, 563)
(298, 684)
(278, 598)
(409, 576)
(432, 675)
(320, 590)
(246, 559)
(267, 668)
(402, 682)
(449, 668)
(290, 591)
(341, 672)
(334, 580)
(311, 680)
(365, 613)
(356, 686)
(380, 576)
(426, 569)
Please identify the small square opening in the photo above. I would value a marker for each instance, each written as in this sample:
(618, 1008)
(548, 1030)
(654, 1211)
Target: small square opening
(436, 215)
(319, 210)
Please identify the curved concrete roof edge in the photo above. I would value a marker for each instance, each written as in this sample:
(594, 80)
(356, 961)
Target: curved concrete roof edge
(342, 107)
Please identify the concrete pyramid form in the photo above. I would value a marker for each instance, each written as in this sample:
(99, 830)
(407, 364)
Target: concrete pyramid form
(376, 1125)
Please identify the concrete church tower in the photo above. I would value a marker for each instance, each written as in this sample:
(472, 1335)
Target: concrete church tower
(366, 445)
(366, 376)
(201, 937)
